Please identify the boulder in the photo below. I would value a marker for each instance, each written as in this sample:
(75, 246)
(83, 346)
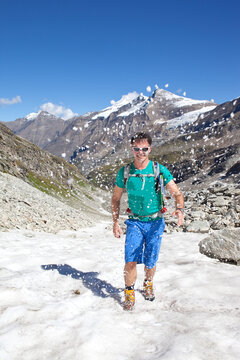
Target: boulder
(201, 226)
(223, 245)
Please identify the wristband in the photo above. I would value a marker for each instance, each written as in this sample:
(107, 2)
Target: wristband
(181, 209)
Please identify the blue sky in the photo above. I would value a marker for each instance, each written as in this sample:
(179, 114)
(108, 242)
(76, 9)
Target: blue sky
(81, 55)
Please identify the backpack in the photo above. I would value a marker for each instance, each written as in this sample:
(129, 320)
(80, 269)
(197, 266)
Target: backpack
(158, 176)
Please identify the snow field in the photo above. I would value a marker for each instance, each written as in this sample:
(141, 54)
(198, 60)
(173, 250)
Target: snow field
(195, 315)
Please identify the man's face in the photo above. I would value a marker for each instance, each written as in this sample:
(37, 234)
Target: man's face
(139, 149)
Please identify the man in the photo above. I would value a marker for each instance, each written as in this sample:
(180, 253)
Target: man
(145, 225)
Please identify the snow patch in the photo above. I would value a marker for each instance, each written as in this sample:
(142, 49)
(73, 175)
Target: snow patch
(61, 299)
(32, 116)
(189, 117)
(179, 101)
(125, 99)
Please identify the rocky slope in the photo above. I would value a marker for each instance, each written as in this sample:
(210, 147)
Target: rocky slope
(46, 172)
(213, 208)
(24, 207)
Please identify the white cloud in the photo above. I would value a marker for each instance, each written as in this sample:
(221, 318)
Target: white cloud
(4, 101)
(58, 110)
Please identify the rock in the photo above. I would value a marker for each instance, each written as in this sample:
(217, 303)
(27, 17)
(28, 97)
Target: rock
(230, 192)
(201, 226)
(170, 221)
(232, 215)
(198, 214)
(220, 201)
(237, 208)
(222, 211)
(218, 188)
(236, 192)
(223, 245)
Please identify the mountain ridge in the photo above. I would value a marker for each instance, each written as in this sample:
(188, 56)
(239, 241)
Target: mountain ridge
(99, 140)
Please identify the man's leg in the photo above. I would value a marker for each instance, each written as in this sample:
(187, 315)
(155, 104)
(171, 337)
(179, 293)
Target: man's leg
(130, 276)
(133, 255)
(148, 283)
(130, 273)
(152, 247)
(149, 273)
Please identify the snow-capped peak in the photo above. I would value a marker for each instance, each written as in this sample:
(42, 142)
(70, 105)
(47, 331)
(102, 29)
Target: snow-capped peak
(32, 115)
(178, 101)
(43, 114)
(116, 105)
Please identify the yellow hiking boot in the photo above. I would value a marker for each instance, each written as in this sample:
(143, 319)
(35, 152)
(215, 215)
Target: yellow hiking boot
(129, 299)
(148, 290)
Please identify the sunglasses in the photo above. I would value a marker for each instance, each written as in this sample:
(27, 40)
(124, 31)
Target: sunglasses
(137, 149)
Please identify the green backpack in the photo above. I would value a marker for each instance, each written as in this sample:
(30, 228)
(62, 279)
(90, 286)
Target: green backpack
(158, 176)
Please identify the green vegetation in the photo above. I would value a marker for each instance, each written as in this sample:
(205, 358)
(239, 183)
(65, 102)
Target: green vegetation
(81, 183)
(88, 196)
(47, 186)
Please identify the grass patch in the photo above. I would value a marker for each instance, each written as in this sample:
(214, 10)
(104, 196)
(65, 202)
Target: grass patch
(47, 186)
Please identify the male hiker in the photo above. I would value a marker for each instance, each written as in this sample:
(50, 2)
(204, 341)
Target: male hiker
(145, 224)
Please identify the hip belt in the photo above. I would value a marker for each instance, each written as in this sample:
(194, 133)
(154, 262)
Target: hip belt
(151, 216)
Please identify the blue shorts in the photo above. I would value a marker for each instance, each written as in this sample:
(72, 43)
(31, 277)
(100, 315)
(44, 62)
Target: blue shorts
(143, 241)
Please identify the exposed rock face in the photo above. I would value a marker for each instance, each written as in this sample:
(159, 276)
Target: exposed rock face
(214, 208)
(223, 245)
(40, 129)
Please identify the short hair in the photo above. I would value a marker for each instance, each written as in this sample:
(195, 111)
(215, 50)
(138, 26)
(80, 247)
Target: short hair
(141, 136)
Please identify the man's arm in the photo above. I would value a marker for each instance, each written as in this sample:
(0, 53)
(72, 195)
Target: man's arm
(179, 200)
(116, 198)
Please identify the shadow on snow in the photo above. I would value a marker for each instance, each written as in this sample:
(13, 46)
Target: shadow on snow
(89, 279)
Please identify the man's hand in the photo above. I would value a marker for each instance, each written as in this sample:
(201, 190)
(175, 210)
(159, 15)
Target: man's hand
(180, 216)
(179, 201)
(117, 230)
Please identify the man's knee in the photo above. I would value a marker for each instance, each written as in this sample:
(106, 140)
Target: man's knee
(130, 265)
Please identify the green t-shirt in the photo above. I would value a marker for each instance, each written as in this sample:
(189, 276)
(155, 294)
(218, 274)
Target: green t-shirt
(142, 197)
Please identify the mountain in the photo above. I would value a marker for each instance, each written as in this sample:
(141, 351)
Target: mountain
(46, 172)
(39, 128)
(101, 138)
(201, 151)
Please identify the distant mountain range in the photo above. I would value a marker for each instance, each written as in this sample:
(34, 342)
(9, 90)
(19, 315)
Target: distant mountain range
(194, 138)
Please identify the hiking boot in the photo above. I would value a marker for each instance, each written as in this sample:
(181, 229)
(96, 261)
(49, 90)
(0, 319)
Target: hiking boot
(148, 290)
(129, 299)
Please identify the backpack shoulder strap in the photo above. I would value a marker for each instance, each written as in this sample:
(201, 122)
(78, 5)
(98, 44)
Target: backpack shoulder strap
(126, 173)
(156, 169)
